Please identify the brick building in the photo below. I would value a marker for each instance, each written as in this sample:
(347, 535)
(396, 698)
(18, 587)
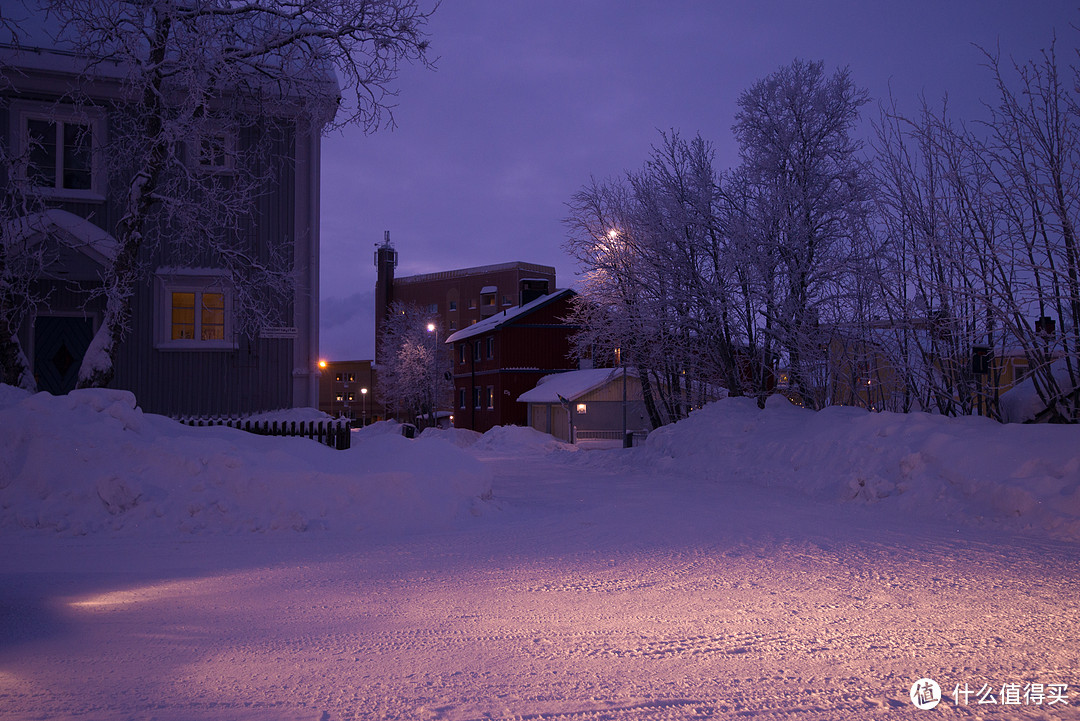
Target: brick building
(497, 359)
(347, 390)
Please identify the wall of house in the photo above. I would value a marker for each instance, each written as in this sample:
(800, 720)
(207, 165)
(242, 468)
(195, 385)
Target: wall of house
(259, 373)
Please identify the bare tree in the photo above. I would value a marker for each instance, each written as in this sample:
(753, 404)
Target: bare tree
(189, 74)
(411, 378)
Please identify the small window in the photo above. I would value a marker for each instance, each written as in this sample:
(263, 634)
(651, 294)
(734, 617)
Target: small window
(433, 308)
(461, 398)
(339, 396)
(581, 408)
(193, 313)
(453, 326)
(215, 151)
(350, 396)
(198, 315)
(461, 353)
(476, 398)
(490, 397)
(350, 377)
(453, 305)
(472, 303)
(506, 300)
(339, 377)
(476, 351)
(490, 347)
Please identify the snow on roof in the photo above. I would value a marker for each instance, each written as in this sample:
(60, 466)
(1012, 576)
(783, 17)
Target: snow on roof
(76, 232)
(570, 385)
(489, 289)
(499, 319)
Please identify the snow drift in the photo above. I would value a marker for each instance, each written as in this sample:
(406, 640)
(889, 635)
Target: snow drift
(92, 461)
(968, 470)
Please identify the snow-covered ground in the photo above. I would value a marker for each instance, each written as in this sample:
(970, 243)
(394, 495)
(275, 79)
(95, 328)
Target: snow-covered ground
(772, 564)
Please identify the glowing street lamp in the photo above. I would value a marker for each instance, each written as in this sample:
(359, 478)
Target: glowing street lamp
(434, 330)
(363, 394)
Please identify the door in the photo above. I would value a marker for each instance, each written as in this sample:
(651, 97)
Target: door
(60, 342)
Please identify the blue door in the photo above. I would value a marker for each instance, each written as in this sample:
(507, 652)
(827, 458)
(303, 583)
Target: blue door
(60, 342)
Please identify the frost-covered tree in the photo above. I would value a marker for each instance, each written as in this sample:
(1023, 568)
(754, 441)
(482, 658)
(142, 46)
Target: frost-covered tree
(195, 74)
(412, 366)
(812, 195)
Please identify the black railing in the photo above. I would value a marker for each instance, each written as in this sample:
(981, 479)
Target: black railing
(336, 434)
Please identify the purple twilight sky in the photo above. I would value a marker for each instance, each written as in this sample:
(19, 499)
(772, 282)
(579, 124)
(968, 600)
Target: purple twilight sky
(530, 99)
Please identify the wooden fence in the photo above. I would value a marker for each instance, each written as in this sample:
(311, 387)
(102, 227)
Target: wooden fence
(336, 434)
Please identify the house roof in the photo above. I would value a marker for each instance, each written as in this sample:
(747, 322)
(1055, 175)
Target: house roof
(499, 320)
(570, 385)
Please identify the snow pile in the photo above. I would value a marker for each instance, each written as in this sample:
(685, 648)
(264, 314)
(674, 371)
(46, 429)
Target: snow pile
(966, 469)
(291, 415)
(92, 460)
(520, 440)
(460, 437)
(1022, 402)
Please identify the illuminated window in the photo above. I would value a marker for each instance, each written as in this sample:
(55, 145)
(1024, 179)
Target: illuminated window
(193, 312)
(490, 397)
(198, 315)
(581, 408)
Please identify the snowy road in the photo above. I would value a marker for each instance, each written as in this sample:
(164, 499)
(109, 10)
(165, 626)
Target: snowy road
(589, 589)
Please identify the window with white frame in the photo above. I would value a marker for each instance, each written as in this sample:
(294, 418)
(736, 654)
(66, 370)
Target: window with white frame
(476, 398)
(214, 151)
(194, 311)
(491, 397)
(60, 150)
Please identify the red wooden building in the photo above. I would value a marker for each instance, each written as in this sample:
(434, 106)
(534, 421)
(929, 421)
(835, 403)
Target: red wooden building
(499, 358)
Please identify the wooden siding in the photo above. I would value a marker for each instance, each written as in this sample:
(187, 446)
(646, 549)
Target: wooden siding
(255, 376)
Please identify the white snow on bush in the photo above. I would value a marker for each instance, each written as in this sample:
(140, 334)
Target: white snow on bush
(969, 470)
(92, 461)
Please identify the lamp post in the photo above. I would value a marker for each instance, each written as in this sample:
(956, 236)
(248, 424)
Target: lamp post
(434, 330)
(322, 367)
(363, 421)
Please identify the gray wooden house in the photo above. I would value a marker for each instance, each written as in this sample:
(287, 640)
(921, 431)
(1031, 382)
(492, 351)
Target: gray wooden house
(187, 353)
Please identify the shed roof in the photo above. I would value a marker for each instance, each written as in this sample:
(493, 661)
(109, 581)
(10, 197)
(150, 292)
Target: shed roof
(571, 384)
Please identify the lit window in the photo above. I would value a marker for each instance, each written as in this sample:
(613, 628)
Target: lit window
(350, 396)
(339, 377)
(339, 396)
(194, 312)
(490, 397)
(461, 353)
(581, 408)
(197, 314)
(350, 377)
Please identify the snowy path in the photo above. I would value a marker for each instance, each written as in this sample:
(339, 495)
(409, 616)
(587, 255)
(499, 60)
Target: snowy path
(592, 591)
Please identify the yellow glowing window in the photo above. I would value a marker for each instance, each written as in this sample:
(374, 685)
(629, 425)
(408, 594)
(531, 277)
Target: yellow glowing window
(183, 316)
(197, 316)
(213, 316)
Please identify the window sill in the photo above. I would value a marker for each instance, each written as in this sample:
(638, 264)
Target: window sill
(76, 196)
(196, 345)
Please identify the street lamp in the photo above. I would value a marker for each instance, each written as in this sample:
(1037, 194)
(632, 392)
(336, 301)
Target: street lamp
(363, 394)
(434, 330)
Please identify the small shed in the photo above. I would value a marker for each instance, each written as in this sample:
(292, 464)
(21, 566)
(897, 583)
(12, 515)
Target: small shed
(588, 407)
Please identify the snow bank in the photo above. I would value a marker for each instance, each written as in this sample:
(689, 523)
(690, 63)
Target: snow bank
(520, 440)
(92, 461)
(965, 469)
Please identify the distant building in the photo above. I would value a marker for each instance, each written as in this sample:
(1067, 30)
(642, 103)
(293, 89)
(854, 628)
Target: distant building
(457, 298)
(495, 360)
(347, 390)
